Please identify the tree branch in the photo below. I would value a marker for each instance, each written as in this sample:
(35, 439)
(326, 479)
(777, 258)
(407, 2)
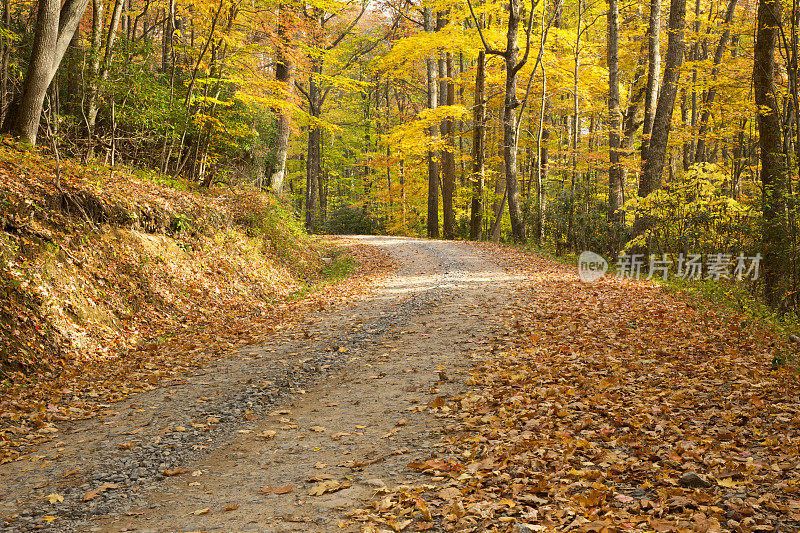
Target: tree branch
(524, 59)
(335, 43)
(489, 49)
(300, 88)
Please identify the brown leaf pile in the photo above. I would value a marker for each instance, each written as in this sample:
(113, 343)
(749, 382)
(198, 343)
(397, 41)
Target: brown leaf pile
(620, 407)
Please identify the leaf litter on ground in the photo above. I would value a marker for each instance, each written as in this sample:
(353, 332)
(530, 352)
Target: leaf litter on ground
(99, 311)
(612, 406)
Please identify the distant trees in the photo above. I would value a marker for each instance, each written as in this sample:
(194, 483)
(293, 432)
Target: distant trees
(430, 117)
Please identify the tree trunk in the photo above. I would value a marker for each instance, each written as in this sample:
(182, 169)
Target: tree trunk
(500, 190)
(773, 160)
(94, 72)
(166, 41)
(54, 31)
(104, 66)
(615, 170)
(653, 72)
(722, 45)
(654, 165)
(510, 122)
(448, 156)
(5, 61)
(283, 75)
(313, 162)
(478, 148)
(433, 164)
(38, 75)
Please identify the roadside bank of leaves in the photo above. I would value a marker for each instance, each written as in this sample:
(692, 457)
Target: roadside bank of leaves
(619, 408)
(109, 284)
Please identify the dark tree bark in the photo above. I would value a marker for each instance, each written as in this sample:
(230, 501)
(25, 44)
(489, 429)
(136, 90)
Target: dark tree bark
(773, 160)
(478, 148)
(657, 151)
(167, 36)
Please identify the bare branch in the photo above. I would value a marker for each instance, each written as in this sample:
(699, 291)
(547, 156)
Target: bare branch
(524, 60)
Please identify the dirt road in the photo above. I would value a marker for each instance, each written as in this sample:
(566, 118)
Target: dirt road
(286, 436)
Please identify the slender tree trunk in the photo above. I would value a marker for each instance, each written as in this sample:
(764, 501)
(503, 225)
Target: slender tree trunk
(478, 148)
(314, 160)
(722, 45)
(544, 165)
(94, 72)
(166, 42)
(576, 127)
(105, 65)
(510, 104)
(5, 60)
(653, 73)
(615, 169)
(630, 123)
(773, 161)
(510, 121)
(283, 75)
(433, 163)
(654, 166)
(498, 216)
(500, 190)
(448, 157)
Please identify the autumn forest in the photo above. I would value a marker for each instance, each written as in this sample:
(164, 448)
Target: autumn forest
(573, 124)
(395, 265)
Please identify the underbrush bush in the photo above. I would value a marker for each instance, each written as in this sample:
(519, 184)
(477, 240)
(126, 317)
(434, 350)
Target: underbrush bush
(352, 220)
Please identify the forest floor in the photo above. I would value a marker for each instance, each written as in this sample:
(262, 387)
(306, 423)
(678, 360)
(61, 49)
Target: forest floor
(476, 388)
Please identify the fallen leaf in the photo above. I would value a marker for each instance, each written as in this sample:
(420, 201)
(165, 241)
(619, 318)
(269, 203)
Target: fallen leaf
(319, 477)
(326, 487)
(174, 471)
(285, 489)
(398, 525)
(439, 401)
(55, 498)
(201, 511)
(92, 494)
